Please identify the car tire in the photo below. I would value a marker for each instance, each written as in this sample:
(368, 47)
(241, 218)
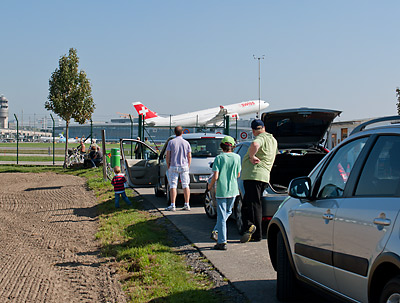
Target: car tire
(158, 191)
(238, 214)
(286, 280)
(391, 291)
(209, 205)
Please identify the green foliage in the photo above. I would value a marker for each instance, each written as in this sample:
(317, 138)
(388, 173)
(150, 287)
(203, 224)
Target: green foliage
(70, 92)
(398, 100)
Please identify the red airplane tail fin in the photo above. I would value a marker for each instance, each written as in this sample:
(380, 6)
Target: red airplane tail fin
(143, 110)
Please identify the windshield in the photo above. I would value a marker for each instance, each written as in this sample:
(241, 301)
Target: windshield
(205, 147)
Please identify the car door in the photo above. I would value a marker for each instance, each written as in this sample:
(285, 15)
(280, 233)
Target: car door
(141, 163)
(365, 220)
(313, 222)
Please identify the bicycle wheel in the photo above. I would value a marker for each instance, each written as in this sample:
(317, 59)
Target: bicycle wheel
(109, 171)
(69, 161)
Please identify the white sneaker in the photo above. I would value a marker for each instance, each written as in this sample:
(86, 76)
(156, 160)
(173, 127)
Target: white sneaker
(171, 208)
(186, 207)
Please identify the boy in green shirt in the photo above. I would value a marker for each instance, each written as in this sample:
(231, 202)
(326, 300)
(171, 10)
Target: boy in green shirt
(226, 170)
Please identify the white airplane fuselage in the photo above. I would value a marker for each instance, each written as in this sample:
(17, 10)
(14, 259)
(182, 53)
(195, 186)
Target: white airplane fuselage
(207, 117)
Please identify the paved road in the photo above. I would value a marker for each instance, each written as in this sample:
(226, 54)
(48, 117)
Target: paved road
(247, 265)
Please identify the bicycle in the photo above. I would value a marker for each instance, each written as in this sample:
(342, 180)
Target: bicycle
(74, 157)
(109, 169)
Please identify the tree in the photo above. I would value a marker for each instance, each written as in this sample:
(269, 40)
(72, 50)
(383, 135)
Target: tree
(70, 93)
(398, 100)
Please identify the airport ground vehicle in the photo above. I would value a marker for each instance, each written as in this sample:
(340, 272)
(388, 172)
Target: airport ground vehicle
(339, 230)
(299, 133)
(151, 171)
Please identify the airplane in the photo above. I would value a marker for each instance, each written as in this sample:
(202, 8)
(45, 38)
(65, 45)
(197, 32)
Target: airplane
(207, 117)
(60, 139)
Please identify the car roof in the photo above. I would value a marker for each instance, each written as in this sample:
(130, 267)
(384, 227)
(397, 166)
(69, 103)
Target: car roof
(378, 124)
(302, 127)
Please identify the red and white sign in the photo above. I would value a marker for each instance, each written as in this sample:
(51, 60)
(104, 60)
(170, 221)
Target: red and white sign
(243, 135)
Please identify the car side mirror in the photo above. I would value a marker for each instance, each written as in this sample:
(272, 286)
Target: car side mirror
(300, 188)
(211, 164)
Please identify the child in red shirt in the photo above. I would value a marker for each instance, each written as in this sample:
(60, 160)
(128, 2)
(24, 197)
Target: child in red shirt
(119, 188)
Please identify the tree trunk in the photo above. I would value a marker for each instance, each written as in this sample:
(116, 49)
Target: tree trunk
(66, 144)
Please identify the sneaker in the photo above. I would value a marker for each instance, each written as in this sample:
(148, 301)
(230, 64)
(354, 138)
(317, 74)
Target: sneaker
(171, 208)
(214, 235)
(220, 246)
(186, 207)
(247, 235)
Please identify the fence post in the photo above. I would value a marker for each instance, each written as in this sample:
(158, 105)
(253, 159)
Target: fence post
(130, 117)
(236, 138)
(142, 136)
(17, 136)
(139, 133)
(53, 138)
(226, 128)
(103, 146)
(170, 126)
(91, 131)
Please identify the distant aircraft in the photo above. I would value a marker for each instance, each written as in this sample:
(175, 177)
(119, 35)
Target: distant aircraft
(59, 139)
(207, 117)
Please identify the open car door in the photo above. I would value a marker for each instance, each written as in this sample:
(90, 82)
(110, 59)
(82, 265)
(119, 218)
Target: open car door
(141, 165)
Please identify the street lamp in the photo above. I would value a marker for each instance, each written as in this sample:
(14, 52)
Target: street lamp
(259, 84)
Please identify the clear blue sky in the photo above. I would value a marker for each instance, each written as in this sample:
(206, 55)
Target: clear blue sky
(181, 56)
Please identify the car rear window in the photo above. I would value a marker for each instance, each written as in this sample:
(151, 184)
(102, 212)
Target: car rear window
(205, 147)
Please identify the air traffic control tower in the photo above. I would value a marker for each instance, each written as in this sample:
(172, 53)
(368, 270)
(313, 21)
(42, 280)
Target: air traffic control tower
(3, 112)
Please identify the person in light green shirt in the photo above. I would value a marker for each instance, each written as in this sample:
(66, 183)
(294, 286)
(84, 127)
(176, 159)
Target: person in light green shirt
(226, 168)
(256, 169)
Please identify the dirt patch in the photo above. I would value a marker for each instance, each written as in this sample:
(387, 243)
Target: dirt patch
(48, 251)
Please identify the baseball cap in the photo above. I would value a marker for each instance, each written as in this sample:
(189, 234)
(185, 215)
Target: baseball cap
(256, 124)
(228, 140)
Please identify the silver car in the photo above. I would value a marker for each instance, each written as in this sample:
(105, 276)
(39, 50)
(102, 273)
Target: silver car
(339, 229)
(148, 169)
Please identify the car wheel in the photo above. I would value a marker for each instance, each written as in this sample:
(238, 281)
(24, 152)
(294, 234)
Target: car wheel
(391, 291)
(238, 214)
(158, 191)
(209, 205)
(286, 280)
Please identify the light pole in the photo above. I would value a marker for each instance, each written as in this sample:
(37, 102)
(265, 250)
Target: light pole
(259, 84)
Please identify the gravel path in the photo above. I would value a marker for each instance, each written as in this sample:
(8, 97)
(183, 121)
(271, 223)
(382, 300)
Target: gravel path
(48, 252)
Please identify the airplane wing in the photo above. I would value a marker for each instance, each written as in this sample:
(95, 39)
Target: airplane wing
(219, 117)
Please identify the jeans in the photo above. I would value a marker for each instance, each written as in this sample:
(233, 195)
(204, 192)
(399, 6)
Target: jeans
(124, 197)
(224, 210)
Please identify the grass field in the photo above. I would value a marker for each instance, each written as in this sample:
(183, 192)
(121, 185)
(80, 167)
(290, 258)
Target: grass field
(42, 151)
(150, 269)
(46, 145)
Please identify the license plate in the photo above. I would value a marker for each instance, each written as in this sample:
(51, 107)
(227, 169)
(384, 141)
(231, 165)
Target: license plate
(203, 178)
